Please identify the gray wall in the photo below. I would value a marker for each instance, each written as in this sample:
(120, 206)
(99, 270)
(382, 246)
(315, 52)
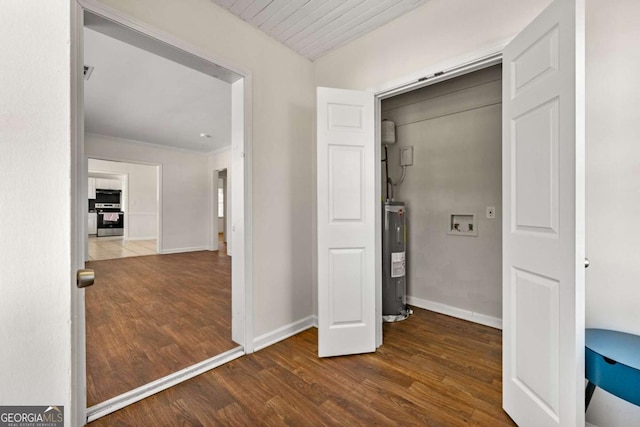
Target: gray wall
(455, 129)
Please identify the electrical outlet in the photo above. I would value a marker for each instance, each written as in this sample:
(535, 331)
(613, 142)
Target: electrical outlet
(491, 212)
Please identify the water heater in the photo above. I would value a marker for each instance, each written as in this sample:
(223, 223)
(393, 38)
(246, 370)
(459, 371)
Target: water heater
(394, 262)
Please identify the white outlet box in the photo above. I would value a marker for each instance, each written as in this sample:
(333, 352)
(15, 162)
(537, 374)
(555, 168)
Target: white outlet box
(491, 212)
(406, 156)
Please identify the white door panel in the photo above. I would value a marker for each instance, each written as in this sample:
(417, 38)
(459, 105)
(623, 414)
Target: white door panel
(543, 231)
(346, 222)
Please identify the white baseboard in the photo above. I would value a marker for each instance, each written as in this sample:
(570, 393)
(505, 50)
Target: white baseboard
(315, 320)
(142, 238)
(460, 313)
(589, 425)
(265, 340)
(136, 395)
(181, 250)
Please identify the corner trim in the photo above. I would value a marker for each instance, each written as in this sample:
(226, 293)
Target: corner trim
(460, 313)
(282, 333)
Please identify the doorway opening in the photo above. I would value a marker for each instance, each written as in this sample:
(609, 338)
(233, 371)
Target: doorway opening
(425, 113)
(442, 172)
(221, 210)
(183, 172)
(138, 232)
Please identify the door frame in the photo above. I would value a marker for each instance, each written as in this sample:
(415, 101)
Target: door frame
(436, 74)
(242, 223)
(215, 228)
(440, 72)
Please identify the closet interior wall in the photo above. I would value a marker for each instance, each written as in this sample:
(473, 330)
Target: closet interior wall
(455, 128)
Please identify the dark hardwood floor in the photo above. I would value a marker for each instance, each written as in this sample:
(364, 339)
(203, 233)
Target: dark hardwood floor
(150, 316)
(432, 370)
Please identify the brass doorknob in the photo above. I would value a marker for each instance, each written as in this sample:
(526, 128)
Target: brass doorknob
(85, 278)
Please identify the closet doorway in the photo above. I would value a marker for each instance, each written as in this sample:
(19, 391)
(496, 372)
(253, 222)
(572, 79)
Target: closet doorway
(452, 193)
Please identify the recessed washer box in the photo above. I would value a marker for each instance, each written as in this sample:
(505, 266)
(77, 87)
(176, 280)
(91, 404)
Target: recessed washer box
(462, 224)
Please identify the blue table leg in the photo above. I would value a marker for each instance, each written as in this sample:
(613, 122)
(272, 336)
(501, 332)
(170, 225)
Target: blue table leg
(588, 394)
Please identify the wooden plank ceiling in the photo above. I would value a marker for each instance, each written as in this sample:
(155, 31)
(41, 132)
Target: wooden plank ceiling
(314, 27)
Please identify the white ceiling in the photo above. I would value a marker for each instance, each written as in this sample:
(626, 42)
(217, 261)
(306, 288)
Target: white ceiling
(137, 95)
(314, 27)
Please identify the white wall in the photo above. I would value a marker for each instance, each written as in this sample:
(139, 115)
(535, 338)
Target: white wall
(613, 183)
(283, 105)
(455, 129)
(184, 188)
(436, 33)
(141, 215)
(35, 257)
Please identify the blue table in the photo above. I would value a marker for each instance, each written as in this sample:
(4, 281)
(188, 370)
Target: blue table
(612, 362)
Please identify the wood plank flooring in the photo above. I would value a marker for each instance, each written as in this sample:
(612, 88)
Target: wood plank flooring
(433, 370)
(147, 317)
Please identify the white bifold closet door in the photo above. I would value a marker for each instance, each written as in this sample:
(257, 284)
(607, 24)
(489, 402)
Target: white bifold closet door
(346, 222)
(543, 228)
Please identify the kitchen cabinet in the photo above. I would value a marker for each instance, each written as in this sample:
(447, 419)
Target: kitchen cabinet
(108, 184)
(92, 227)
(92, 188)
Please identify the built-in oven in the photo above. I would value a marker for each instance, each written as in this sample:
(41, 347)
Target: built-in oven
(110, 219)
